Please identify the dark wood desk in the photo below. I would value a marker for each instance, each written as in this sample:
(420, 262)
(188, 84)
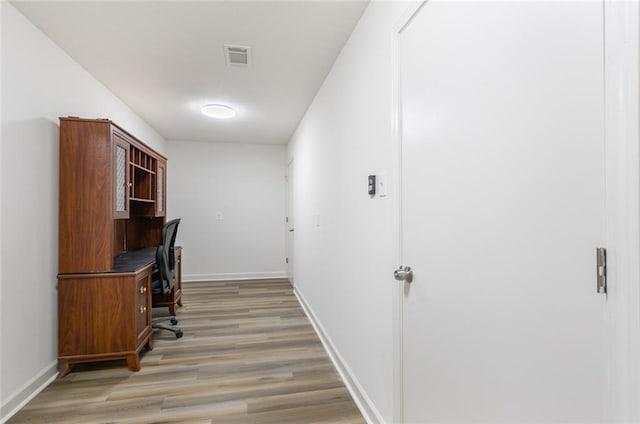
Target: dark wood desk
(134, 260)
(106, 315)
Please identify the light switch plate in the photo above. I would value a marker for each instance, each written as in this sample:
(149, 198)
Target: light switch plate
(382, 181)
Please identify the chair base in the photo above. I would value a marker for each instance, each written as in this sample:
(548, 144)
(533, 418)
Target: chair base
(155, 323)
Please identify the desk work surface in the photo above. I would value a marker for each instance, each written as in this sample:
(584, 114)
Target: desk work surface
(134, 260)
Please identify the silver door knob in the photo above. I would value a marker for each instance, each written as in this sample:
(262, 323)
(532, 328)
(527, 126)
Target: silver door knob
(403, 273)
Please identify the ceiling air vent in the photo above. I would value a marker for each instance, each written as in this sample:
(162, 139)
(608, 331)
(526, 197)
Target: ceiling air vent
(237, 55)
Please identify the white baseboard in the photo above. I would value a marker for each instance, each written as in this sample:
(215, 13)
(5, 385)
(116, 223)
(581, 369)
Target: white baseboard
(234, 276)
(368, 410)
(23, 395)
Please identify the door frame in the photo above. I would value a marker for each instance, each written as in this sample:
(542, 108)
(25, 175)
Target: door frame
(622, 208)
(622, 152)
(290, 245)
(396, 131)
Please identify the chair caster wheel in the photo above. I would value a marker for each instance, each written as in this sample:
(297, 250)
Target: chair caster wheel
(174, 321)
(179, 334)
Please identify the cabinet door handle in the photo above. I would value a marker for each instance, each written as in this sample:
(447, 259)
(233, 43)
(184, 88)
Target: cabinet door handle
(143, 289)
(142, 309)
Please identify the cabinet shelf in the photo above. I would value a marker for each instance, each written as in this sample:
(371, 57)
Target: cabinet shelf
(142, 160)
(142, 184)
(142, 168)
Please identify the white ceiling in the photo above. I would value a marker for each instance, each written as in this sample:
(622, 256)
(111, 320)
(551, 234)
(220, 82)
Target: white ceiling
(165, 58)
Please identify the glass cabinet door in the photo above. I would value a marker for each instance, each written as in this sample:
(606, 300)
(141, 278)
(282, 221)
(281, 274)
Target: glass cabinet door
(121, 189)
(161, 189)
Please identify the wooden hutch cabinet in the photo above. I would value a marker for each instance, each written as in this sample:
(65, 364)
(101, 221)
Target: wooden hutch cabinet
(112, 209)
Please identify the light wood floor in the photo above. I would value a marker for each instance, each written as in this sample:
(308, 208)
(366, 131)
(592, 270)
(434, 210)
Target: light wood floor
(248, 355)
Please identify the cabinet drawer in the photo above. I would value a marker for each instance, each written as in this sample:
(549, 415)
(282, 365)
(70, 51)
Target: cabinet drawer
(143, 305)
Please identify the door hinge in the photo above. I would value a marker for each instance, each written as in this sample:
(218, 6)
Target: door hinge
(286, 260)
(286, 219)
(601, 270)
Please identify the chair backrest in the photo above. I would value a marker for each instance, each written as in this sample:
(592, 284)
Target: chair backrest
(165, 275)
(168, 240)
(165, 255)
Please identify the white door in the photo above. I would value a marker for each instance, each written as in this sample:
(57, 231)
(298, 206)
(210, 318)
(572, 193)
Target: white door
(290, 222)
(502, 212)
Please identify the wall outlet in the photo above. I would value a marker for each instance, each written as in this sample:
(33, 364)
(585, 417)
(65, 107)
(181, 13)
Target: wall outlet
(219, 216)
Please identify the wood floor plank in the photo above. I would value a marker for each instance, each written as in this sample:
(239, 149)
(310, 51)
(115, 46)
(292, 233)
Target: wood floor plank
(248, 355)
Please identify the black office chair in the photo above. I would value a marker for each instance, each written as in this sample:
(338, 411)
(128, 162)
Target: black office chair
(164, 277)
(168, 239)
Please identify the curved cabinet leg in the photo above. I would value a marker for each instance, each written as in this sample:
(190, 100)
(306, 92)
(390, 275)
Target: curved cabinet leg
(133, 362)
(149, 344)
(63, 367)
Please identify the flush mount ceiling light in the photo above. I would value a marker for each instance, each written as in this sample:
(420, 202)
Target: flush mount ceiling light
(219, 111)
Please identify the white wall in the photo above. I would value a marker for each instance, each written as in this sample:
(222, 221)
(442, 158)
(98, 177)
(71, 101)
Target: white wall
(1, 208)
(245, 184)
(344, 265)
(39, 84)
